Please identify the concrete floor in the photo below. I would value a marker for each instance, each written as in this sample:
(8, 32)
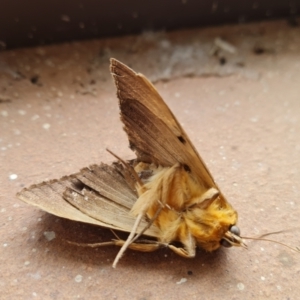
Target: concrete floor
(58, 113)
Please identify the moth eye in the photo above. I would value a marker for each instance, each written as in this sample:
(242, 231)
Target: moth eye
(181, 139)
(235, 230)
(225, 244)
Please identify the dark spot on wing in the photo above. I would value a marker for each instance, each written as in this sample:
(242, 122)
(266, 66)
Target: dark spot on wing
(186, 168)
(181, 139)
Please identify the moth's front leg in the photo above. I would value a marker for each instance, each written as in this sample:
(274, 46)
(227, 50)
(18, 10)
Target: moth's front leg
(189, 250)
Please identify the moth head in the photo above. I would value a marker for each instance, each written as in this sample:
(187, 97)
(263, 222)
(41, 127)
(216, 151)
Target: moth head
(213, 224)
(232, 237)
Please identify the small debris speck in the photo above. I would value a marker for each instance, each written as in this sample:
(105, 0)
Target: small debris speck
(262, 278)
(5, 245)
(49, 235)
(17, 132)
(4, 113)
(240, 286)
(46, 126)
(78, 278)
(34, 294)
(182, 280)
(13, 176)
(26, 263)
(22, 112)
(34, 117)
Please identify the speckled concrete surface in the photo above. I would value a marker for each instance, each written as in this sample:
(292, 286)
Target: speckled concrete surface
(58, 113)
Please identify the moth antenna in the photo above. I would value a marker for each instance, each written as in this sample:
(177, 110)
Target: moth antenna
(130, 168)
(261, 238)
(129, 239)
(296, 249)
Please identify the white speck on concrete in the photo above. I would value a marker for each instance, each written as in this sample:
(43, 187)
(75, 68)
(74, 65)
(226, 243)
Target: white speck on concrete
(177, 95)
(33, 250)
(262, 249)
(39, 219)
(262, 278)
(46, 126)
(240, 286)
(26, 263)
(5, 245)
(13, 176)
(3, 148)
(4, 113)
(224, 45)
(22, 112)
(3, 210)
(78, 278)
(34, 294)
(17, 131)
(182, 280)
(49, 235)
(278, 287)
(34, 117)
(254, 119)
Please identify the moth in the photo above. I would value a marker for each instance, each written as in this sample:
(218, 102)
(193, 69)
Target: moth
(165, 197)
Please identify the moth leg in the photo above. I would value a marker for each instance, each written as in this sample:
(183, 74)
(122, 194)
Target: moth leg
(183, 252)
(142, 246)
(129, 168)
(129, 239)
(93, 245)
(151, 221)
(189, 250)
(146, 246)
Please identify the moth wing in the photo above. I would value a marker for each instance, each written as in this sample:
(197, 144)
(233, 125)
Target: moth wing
(153, 131)
(97, 195)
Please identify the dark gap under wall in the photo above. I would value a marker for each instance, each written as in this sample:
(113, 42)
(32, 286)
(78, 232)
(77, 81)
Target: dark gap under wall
(42, 22)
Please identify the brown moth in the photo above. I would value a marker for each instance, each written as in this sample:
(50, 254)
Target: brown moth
(166, 193)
